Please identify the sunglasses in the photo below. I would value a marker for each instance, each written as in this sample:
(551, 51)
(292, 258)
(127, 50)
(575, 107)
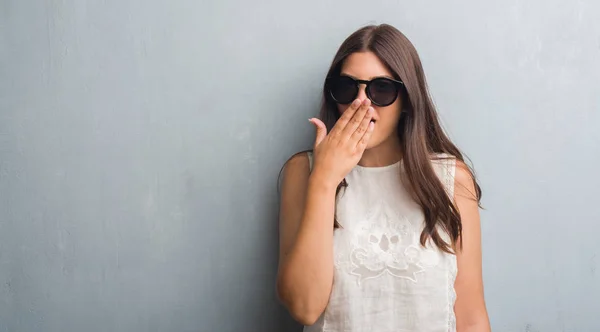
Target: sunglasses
(382, 91)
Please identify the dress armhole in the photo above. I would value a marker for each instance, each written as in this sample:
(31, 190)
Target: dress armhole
(450, 170)
(445, 168)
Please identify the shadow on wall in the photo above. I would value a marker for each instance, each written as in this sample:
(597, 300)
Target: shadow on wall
(287, 324)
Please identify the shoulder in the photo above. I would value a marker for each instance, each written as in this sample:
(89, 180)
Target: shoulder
(454, 173)
(442, 159)
(462, 174)
(464, 182)
(296, 169)
(457, 167)
(444, 166)
(298, 163)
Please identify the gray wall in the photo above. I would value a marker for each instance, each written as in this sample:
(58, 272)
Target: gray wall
(140, 143)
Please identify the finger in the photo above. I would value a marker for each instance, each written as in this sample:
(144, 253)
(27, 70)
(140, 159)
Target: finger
(362, 143)
(363, 126)
(357, 119)
(321, 130)
(346, 116)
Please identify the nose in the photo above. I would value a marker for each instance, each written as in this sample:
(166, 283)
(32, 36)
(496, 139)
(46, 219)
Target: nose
(362, 92)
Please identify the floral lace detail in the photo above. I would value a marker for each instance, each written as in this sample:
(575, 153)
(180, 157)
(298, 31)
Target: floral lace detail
(387, 243)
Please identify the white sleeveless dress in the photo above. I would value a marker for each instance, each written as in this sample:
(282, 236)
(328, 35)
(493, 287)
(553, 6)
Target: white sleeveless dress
(384, 280)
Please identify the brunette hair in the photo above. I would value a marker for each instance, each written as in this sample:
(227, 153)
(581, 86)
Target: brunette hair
(421, 135)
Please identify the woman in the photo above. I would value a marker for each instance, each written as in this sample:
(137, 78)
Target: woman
(379, 224)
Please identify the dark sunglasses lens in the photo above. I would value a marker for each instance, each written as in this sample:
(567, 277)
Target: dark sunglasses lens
(383, 91)
(343, 89)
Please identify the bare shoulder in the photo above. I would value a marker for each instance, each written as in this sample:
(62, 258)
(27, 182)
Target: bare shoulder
(296, 169)
(463, 174)
(294, 186)
(464, 182)
(470, 309)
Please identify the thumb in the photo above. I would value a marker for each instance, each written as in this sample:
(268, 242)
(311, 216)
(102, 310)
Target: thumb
(321, 130)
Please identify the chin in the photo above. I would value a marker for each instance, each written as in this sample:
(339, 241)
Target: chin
(377, 139)
(373, 142)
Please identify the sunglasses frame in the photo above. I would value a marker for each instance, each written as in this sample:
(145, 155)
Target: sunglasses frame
(399, 84)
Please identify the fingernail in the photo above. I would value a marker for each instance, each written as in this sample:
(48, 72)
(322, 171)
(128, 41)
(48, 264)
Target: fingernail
(356, 103)
(371, 110)
(366, 101)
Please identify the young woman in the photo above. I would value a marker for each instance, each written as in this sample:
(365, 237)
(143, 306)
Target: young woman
(379, 224)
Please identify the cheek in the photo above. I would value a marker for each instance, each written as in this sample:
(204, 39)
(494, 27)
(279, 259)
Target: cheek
(389, 117)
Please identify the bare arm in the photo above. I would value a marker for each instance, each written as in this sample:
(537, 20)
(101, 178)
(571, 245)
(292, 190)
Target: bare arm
(470, 309)
(305, 275)
(306, 242)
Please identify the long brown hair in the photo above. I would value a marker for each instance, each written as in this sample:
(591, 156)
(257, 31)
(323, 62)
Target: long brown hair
(421, 135)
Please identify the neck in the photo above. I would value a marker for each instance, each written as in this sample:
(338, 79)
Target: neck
(386, 153)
